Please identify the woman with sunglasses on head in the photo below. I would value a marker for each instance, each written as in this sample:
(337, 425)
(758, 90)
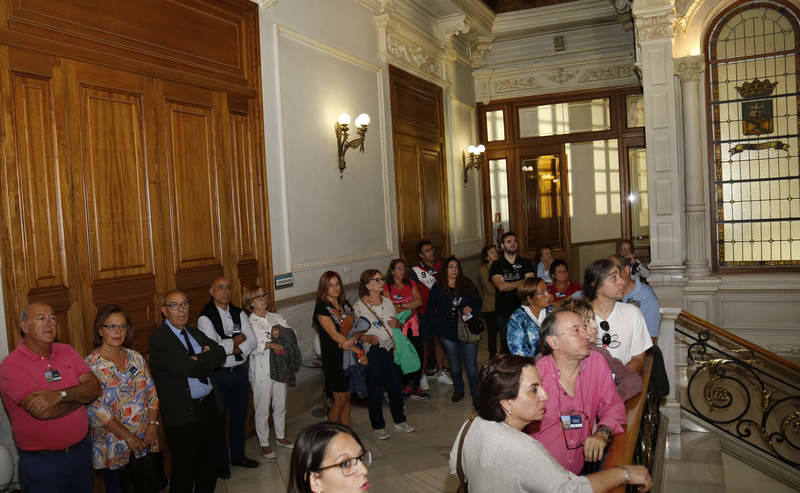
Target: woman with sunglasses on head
(623, 327)
(497, 456)
(273, 364)
(452, 297)
(328, 458)
(378, 341)
(124, 419)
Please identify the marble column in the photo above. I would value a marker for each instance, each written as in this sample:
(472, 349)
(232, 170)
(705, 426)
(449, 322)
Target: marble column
(690, 71)
(666, 342)
(654, 34)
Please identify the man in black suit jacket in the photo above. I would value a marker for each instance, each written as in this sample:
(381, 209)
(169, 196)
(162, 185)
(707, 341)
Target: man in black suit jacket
(182, 359)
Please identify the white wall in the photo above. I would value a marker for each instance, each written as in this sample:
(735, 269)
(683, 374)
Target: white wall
(320, 59)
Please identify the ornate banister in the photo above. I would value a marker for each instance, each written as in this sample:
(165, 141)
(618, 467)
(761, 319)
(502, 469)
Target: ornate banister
(741, 389)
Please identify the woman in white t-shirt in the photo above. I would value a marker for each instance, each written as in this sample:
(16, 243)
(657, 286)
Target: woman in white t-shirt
(623, 330)
(378, 342)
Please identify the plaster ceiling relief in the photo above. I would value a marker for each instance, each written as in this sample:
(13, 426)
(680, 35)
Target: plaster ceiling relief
(607, 73)
(450, 26)
(265, 3)
(561, 76)
(479, 49)
(500, 6)
(503, 86)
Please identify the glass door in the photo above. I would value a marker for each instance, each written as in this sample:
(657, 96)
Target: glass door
(542, 205)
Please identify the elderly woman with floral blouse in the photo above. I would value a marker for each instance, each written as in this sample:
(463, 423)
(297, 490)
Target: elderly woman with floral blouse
(124, 419)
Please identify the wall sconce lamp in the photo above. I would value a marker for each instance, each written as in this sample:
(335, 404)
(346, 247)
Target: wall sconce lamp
(342, 128)
(474, 161)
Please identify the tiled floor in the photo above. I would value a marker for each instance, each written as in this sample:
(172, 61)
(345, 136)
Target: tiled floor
(407, 462)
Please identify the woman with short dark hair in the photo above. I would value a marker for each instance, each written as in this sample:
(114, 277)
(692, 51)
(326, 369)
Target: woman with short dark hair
(511, 396)
(330, 458)
(561, 287)
(523, 326)
(124, 419)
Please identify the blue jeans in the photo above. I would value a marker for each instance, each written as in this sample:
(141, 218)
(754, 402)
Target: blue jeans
(459, 353)
(58, 473)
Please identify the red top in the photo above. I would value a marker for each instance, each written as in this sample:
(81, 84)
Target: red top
(573, 288)
(23, 372)
(402, 295)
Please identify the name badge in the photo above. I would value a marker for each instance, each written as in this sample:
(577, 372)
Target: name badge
(52, 375)
(571, 421)
(377, 323)
(237, 329)
(133, 371)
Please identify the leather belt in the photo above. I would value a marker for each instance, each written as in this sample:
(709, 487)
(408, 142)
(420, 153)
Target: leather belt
(231, 369)
(60, 451)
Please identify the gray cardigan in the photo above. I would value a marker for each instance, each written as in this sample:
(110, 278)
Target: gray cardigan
(498, 458)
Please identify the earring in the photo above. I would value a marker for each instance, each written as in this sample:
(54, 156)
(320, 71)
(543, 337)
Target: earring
(508, 411)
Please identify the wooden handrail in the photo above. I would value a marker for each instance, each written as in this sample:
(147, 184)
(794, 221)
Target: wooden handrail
(621, 450)
(706, 325)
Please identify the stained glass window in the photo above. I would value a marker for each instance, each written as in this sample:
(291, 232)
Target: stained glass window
(752, 68)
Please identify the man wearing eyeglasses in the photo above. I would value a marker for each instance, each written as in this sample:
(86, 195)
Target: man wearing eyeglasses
(182, 360)
(584, 410)
(228, 325)
(44, 386)
(639, 294)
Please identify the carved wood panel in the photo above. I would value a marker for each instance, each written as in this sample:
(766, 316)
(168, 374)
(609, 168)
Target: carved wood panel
(245, 182)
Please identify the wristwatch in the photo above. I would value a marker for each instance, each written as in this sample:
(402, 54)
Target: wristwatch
(608, 432)
(627, 474)
(154, 423)
(63, 394)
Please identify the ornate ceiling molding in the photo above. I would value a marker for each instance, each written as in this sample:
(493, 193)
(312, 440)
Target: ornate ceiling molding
(400, 45)
(450, 26)
(690, 68)
(479, 49)
(530, 81)
(265, 4)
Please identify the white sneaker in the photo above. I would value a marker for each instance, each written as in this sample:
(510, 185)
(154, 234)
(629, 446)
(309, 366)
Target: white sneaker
(443, 377)
(404, 427)
(381, 434)
(423, 382)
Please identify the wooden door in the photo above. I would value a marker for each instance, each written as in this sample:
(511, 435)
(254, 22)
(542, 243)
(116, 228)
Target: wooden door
(420, 165)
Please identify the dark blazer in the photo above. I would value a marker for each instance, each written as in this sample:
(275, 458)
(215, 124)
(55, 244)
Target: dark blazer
(171, 365)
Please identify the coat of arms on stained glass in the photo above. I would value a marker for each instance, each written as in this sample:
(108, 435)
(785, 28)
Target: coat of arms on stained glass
(757, 112)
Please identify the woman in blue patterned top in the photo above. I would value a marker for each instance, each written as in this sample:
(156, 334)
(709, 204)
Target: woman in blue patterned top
(523, 326)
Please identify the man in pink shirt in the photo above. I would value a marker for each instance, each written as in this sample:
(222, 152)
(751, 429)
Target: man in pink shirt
(44, 386)
(584, 410)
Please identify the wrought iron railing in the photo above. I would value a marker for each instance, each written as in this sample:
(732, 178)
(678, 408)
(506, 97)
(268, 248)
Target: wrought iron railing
(639, 442)
(740, 388)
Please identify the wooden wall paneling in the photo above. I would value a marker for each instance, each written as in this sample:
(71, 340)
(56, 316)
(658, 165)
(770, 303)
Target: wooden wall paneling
(36, 187)
(434, 195)
(198, 199)
(113, 153)
(177, 39)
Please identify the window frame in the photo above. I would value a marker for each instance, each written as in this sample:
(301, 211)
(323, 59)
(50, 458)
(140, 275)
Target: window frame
(792, 13)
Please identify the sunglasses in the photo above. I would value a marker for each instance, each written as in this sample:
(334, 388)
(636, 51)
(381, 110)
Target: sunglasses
(607, 340)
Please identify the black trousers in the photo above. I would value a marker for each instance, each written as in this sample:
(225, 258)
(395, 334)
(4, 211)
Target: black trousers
(491, 330)
(383, 374)
(194, 448)
(234, 388)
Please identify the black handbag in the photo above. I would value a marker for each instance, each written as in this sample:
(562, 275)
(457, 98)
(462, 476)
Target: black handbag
(475, 325)
(144, 474)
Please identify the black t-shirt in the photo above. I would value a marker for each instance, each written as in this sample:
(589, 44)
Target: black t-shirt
(508, 301)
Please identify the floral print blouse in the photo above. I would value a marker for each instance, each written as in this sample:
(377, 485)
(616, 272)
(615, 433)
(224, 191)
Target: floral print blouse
(127, 396)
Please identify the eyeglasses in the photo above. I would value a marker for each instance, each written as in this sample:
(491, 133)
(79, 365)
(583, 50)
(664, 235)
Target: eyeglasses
(607, 340)
(116, 328)
(377, 279)
(260, 296)
(349, 466)
(586, 422)
(177, 306)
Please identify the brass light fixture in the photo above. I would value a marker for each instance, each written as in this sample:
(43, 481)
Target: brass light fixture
(474, 161)
(342, 128)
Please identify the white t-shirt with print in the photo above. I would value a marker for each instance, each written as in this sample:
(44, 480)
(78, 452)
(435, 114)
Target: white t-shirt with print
(628, 329)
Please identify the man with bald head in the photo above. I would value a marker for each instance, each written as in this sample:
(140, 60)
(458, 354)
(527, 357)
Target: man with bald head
(228, 325)
(44, 386)
(182, 360)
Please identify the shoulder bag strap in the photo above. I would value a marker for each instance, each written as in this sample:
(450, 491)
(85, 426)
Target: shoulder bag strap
(462, 478)
(385, 325)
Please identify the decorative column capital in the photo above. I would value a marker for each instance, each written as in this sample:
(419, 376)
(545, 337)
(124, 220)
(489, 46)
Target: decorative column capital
(690, 68)
(478, 50)
(450, 26)
(651, 26)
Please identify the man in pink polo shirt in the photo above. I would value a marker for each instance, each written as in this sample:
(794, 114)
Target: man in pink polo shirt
(44, 386)
(584, 410)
